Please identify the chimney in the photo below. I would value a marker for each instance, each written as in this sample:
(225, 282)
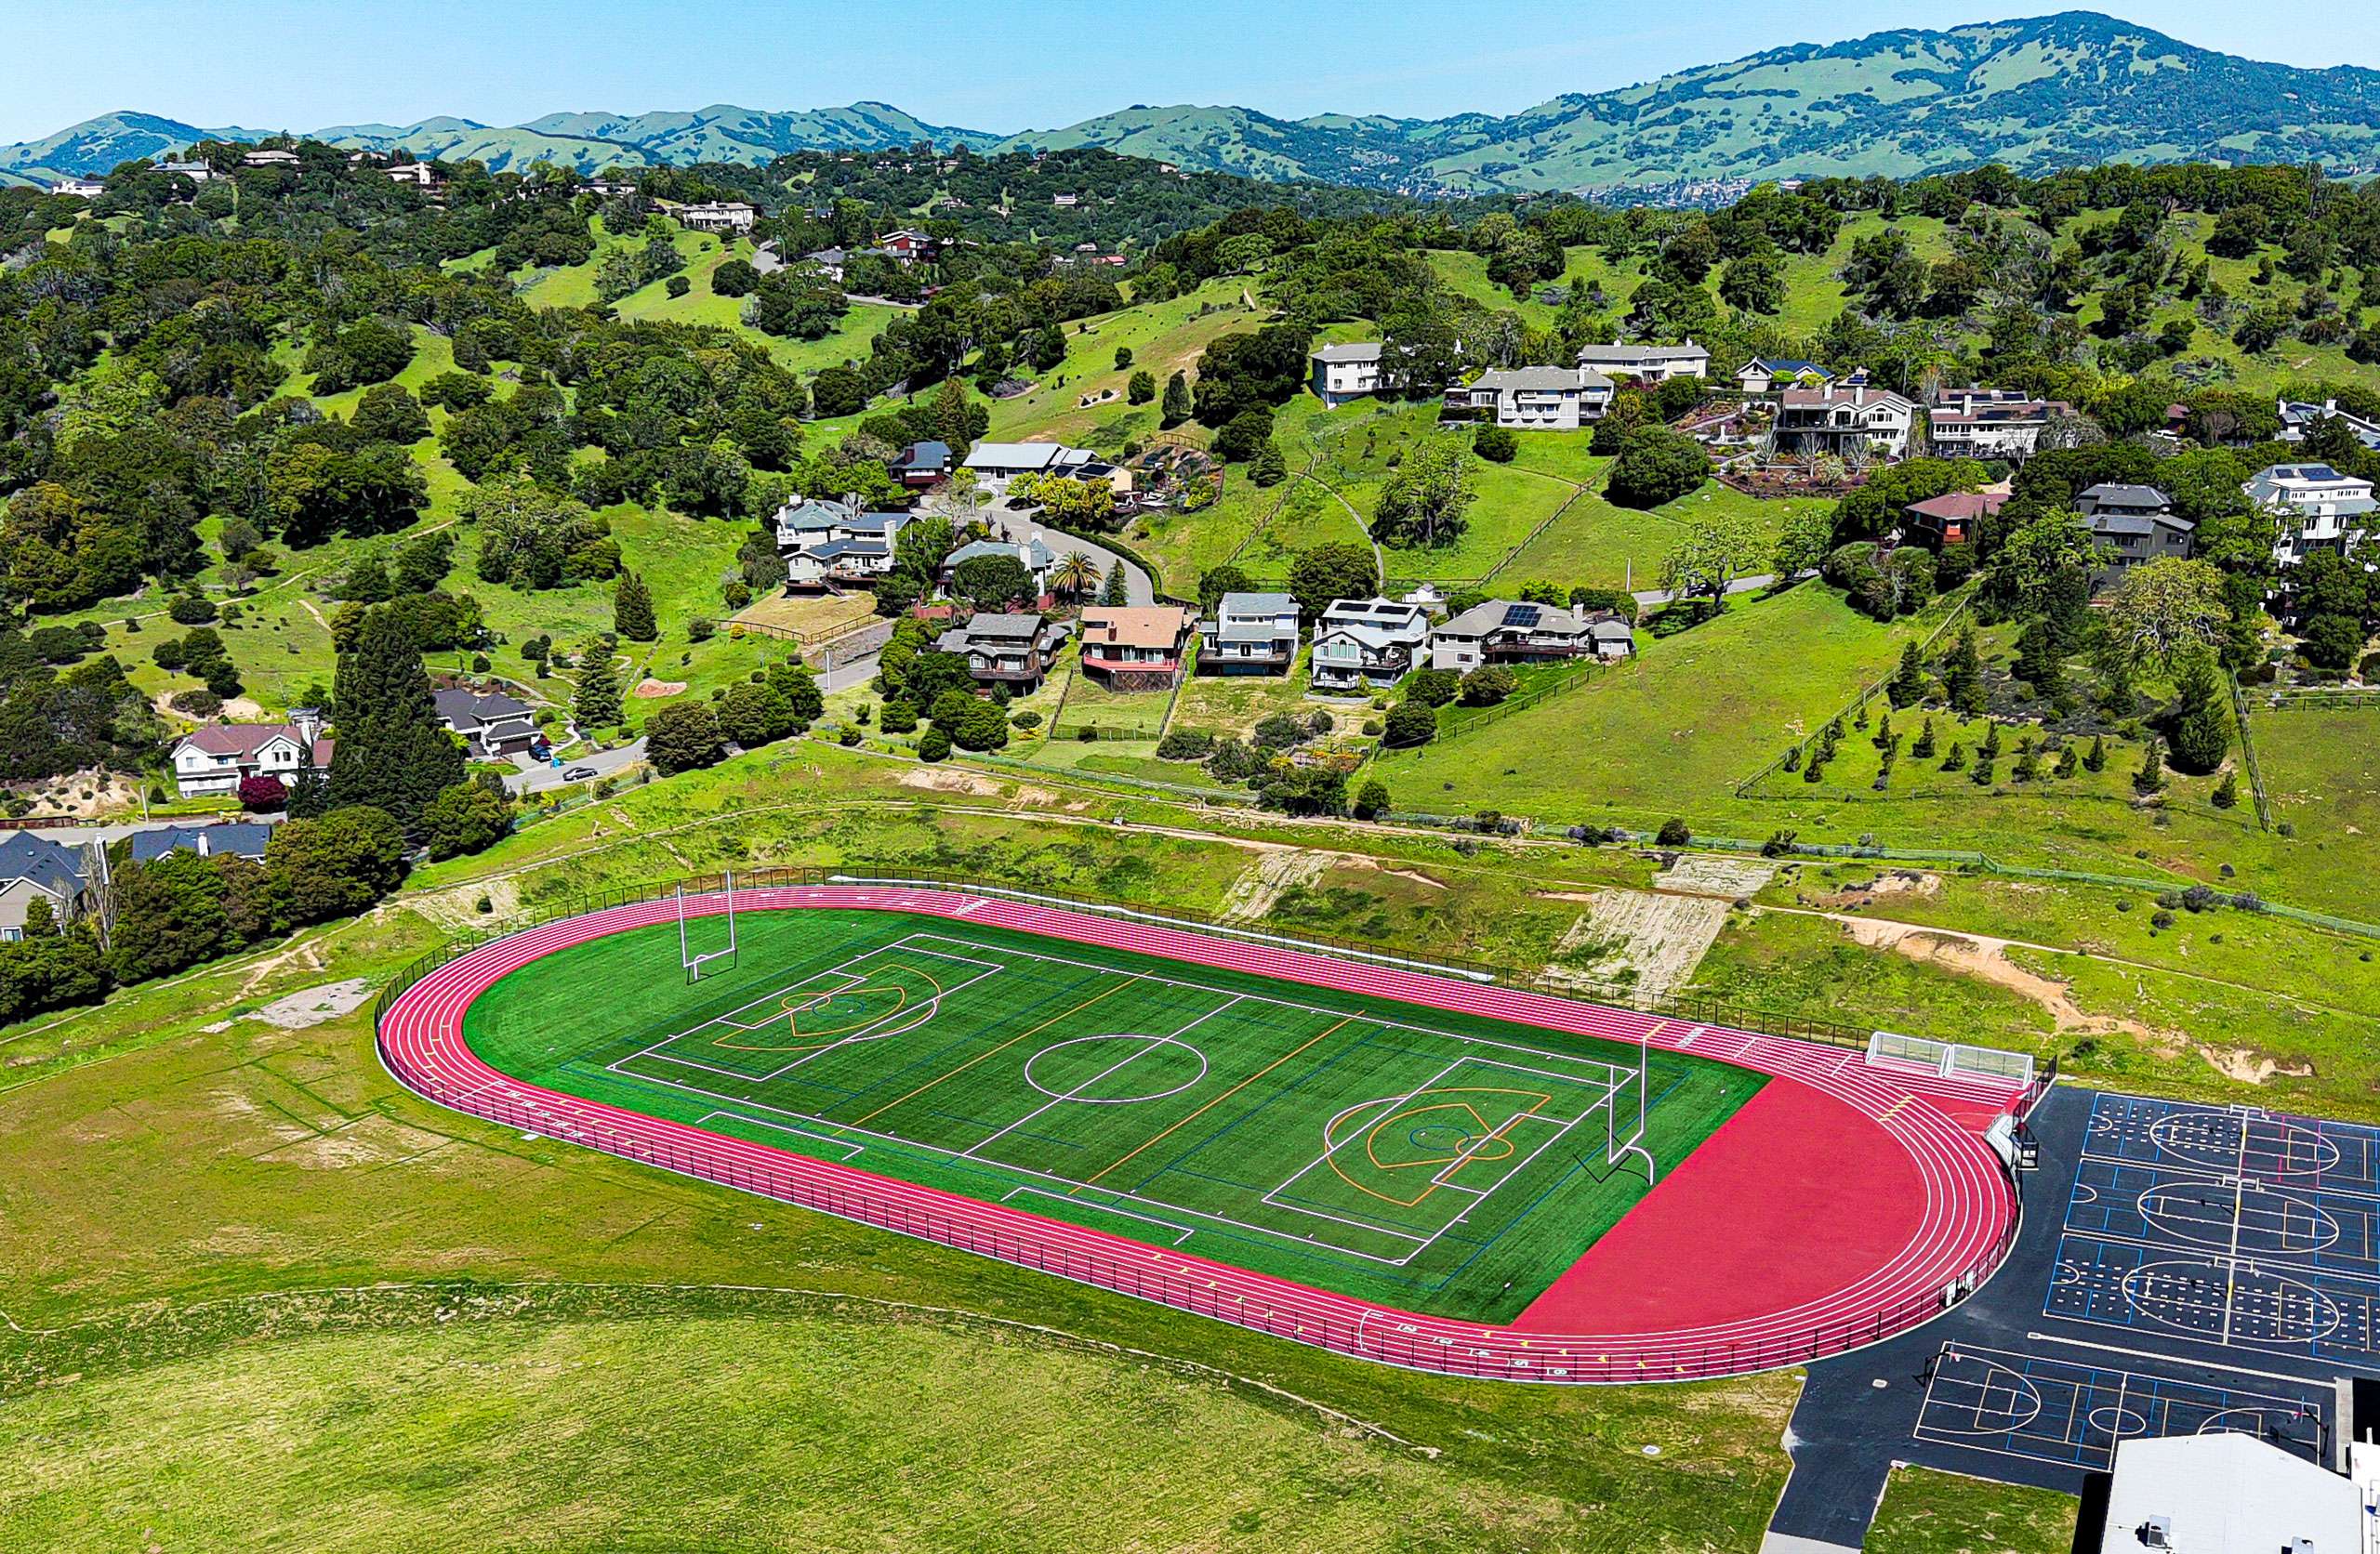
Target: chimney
(1860, 392)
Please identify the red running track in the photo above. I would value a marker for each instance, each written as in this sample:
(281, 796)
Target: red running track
(1960, 1207)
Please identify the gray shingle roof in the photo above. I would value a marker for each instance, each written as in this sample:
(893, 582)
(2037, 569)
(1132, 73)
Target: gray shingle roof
(1360, 350)
(55, 868)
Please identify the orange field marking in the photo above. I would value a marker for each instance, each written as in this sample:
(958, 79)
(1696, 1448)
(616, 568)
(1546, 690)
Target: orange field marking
(1459, 1159)
(795, 1006)
(1220, 1098)
(1002, 1047)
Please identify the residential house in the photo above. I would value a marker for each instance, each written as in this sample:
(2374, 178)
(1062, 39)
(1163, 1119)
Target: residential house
(492, 725)
(214, 759)
(1249, 634)
(1347, 371)
(828, 262)
(80, 189)
(1952, 519)
(1765, 374)
(1647, 364)
(921, 464)
(998, 463)
(1368, 644)
(2135, 523)
(909, 247)
(2320, 509)
(1031, 554)
(239, 838)
(269, 159)
(2298, 418)
(1511, 631)
(1065, 202)
(1853, 422)
(1536, 398)
(833, 544)
(197, 172)
(1990, 423)
(34, 868)
(1136, 647)
(610, 189)
(718, 216)
(1003, 648)
(421, 175)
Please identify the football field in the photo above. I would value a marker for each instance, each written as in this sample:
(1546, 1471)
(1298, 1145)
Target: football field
(1445, 1162)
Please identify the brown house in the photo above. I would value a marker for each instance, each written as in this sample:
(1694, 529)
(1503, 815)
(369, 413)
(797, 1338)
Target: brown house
(1136, 647)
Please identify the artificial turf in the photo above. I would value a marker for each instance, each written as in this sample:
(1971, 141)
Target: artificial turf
(1441, 1162)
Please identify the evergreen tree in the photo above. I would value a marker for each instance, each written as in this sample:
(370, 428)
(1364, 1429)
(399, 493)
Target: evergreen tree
(1923, 748)
(2226, 793)
(310, 792)
(1269, 468)
(1957, 759)
(2201, 724)
(2066, 762)
(597, 704)
(1982, 776)
(2150, 778)
(1178, 404)
(1963, 675)
(392, 753)
(2098, 759)
(1908, 685)
(1114, 591)
(2037, 659)
(1989, 748)
(633, 610)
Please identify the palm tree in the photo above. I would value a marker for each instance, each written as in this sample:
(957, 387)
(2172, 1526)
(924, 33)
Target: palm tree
(1075, 575)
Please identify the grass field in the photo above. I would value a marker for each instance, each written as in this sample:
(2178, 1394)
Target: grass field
(1433, 1161)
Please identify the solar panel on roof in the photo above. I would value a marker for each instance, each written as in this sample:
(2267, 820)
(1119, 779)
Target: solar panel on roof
(1523, 616)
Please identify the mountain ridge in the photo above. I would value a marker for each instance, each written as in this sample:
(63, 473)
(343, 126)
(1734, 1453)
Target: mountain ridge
(2069, 88)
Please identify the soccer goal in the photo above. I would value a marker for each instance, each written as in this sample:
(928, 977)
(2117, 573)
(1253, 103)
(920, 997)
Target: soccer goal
(722, 956)
(1623, 1140)
(1948, 1059)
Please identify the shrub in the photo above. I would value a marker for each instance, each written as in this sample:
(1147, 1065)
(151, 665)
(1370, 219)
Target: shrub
(1434, 687)
(1673, 833)
(1371, 801)
(935, 746)
(1488, 685)
(1185, 744)
(1409, 726)
(191, 610)
(259, 793)
(1495, 444)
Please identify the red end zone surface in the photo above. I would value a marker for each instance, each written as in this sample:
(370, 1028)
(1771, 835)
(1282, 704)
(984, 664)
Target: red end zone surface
(1830, 1212)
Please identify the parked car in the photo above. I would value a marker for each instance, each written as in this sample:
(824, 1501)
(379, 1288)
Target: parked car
(579, 774)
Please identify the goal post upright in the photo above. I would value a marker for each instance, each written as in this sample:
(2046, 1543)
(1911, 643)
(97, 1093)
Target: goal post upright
(1617, 1149)
(692, 961)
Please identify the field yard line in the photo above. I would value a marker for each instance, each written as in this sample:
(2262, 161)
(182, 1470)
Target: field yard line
(1126, 1061)
(1220, 1098)
(1002, 1047)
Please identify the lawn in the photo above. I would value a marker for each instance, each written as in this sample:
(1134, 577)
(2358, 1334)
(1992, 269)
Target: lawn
(1164, 337)
(947, 1055)
(1090, 703)
(1928, 1511)
(1235, 703)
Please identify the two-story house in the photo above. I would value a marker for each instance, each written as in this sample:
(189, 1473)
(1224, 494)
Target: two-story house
(34, 868)
(2319, 509)
(1136, 647)
(1368, 644)
(1513, 631)
(1765, 374)
(1014, 649)
(1852, 421)
(909, 247)
(1031, 554)
(922, 464)
(1990, 423)
(1536, 398)
(2134, 524)
(1343, 373)
(1950, 519)
(2298, 418)
(718, 216)
(828, 544)
(1647, 364)
(214, 759)
(1249, 634)
(492, 725)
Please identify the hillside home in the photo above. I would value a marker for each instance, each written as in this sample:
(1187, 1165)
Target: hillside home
(1002, 648)
(1368, 644)
(2319, 507)
(213, 760)
(493, 726)
(1347, 372)
(1647, 364)
(269, 159)
(908, 246)
(998, 463)
(421, 175)
(197, 172)
(1990, 423)
(1853, 422)
(718, 216)
(1952, 519)
(2298, 418)
(1032, 555)
(1136, 647)
(2135, 525)
(1510, 631)
(834, 544)
(610, 189)
(1536, 399)
(34, 868)
(1065, 202)
(236, 839)
(1249, 634)
(80, 189)
(921, 464)
(1766, 374)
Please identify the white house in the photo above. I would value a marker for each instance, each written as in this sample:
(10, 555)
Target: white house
(2319, 509)
(1249, 634)
(269, 159)
(421, 175)
(2297, 419)
(1851, 421)
(197, 172)
(1991, 423)
(1647, 364)
(998, 463)
(1347, 371)
(1536, 398)
(1513, 631)
(829, 543)
(80, 189)
(213, 760)
(1362, 644)
(718, 216)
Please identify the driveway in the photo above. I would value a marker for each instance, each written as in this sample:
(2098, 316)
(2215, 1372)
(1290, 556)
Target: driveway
(1008, 523)
(536, 779)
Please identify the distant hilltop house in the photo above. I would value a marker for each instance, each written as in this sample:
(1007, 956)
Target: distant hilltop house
(1991, 423)
(1514, 631)
(197, 172)
(1136, 647)
(1649, 365)
(610, 189)
(2320, 509)
(908, 246)
(1536, 399)
(718, 216)
(1765, 374)
(492, 725)
(213, 760)
(79, 188)
(34, 868)
(1249, 634)
(1368, 644)
(1851, 421)
(2298, 418)
(231, 838)
(269, 159)
(835, 544)
(1065, 202)
(421, 175)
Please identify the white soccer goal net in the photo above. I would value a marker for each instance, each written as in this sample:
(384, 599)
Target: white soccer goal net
(1890, 1049)
(695, 960)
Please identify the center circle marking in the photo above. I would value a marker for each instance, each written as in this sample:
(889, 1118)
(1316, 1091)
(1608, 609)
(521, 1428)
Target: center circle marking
(1121, 1061)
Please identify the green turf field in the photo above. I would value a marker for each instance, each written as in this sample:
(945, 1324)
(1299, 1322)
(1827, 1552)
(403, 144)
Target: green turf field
(1438, 1162)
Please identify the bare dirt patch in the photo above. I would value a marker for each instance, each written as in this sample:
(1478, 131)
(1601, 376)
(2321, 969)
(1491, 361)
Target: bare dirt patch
(1701, 874)
(459, 908)
(1263, 883)
(1896, 882)
(651, 689)
(1660, 939)
(313, 1006)
(943, 779)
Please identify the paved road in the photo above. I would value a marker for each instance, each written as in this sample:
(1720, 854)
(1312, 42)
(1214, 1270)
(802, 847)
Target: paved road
(1653, 598)
(1011, 525)
(604, 762)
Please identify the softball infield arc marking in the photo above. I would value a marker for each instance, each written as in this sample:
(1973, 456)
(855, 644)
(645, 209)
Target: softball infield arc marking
(1968, 1202)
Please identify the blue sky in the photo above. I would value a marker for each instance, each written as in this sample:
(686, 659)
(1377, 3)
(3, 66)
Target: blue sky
(986, 64)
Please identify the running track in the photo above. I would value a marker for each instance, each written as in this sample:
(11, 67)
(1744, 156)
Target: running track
(1961, 1232)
